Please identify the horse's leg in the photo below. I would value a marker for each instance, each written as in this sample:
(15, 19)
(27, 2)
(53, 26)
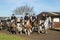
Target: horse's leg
(32, 29)
(13, 31)
(1, 28)
(39, 29)
(21, 31)
(45, 29)
(28, 32)
(25, 31)
(9, 29)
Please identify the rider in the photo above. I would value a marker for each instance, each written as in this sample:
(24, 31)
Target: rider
(26, 17)
(43, 17)
(21, 19)
(13, 17)
(33, 17)
(31, 20)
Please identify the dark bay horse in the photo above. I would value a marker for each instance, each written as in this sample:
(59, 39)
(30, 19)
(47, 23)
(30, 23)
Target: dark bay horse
(35, 25)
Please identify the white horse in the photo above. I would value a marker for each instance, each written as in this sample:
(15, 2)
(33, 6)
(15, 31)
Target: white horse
(19, 27)
(46, 25)
(40, 26)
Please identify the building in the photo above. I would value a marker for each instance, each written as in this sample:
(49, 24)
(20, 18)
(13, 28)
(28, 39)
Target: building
(55, 18)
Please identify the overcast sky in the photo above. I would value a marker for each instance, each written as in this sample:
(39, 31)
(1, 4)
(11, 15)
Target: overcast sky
(7, 6)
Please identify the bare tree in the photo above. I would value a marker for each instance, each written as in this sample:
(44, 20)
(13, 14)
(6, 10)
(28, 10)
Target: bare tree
(23, 10)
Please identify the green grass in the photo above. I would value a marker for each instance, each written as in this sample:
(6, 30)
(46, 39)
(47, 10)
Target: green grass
(4, 36)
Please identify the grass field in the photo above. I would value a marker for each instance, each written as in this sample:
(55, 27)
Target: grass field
(52, 35)
(4, 36)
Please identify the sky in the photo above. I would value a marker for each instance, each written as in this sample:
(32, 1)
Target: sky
(8, 6)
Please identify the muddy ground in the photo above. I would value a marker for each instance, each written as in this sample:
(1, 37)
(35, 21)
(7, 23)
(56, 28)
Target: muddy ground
(52, 35)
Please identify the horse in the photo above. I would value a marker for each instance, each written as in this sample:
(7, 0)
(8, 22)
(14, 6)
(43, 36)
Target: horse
(11, 26)
(41, 25)
(44, 25)
(35, 25)
(23, 24)
(19, 27)
(8, 24)
(28, 28)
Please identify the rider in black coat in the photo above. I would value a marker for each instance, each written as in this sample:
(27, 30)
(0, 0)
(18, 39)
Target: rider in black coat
(13, 17)
(33, 18)
(26, 17)
(43, 17)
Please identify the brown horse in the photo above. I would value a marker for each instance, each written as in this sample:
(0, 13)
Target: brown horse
(13, 26)
(35, 25)
(28, 27)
